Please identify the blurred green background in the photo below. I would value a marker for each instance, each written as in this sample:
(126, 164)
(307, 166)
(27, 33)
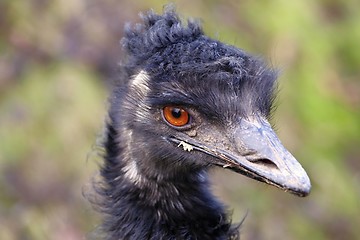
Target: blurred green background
(58, 59)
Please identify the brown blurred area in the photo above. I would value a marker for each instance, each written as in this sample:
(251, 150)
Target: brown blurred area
(57, 62)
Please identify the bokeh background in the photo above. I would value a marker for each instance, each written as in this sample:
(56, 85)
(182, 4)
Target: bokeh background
(58, 59)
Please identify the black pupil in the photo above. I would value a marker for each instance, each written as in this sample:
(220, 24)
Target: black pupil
(176, 112)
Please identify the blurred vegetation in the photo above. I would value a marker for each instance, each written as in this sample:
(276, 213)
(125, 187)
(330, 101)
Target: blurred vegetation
(58, 59)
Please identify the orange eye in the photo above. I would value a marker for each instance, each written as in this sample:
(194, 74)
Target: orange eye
(176, 116)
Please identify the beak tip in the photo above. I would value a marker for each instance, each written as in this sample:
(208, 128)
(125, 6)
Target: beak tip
(303, 187)
(306, 188)
(305, 191)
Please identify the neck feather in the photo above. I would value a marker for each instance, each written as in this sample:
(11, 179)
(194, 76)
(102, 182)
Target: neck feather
(137, 207)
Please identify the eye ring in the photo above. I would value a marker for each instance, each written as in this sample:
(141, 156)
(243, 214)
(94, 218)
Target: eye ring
(175, 116)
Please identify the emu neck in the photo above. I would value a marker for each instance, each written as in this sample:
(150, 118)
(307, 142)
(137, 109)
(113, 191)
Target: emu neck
(137, 207)
(166, 210)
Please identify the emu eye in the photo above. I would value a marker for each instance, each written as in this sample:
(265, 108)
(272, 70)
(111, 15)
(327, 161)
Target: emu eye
(176, 116)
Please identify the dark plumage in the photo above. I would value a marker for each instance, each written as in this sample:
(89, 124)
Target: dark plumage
(155, 183)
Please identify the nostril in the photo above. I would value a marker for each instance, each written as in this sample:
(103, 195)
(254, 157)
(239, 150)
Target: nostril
(265, 162)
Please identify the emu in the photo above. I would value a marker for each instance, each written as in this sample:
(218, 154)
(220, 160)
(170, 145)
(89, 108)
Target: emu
(184, 104)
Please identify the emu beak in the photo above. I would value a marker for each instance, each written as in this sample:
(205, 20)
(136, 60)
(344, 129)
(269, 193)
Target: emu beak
(264, 158)
(252, 149)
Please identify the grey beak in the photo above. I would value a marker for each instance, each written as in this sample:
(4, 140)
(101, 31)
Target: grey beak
(266, 159)
(251, 148)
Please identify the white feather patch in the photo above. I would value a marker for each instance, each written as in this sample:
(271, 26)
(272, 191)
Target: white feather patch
(186, 146)
(131, 172)
(140, 82)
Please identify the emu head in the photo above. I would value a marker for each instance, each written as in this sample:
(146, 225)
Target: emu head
(191, 103)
